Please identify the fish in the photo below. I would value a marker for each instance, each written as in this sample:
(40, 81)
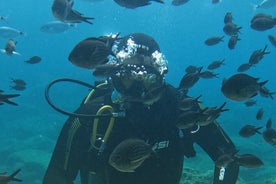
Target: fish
(18, 82)
(132, 4)
(228, 18)
(10, 48)
(260, 114)
(249, 130)
(179, 2)
(262, 22)
(5, 98)
(269, 134)
(245, 160)
(189, 103)
(192, 69)
(264, 92)
(18, 88)
(216, 64)
(213, 40)
(62, 11)
(244, 67)
(250, 102)
(5, 179)
(33, 60)
(190, 118)
(93, 1)
(10, 33)
(4, 19)
(241, 87)
(92, 51)
(55, 27)
(248, 160)
(231, 29)
(105, 70)
(258, 55)
(272, 40)
(130, 154)
(265, 4)
(211, 114)
(208, 75)
(233, 41)
(216, 1)
(189, 79)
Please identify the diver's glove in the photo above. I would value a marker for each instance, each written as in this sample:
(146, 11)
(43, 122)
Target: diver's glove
(226, 175)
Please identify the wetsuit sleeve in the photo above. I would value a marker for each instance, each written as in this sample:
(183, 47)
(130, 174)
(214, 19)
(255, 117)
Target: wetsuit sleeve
(71, 151)
(215, 142)
(69, 154)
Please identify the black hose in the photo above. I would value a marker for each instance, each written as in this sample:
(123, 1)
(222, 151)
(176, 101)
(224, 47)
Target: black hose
(63, 111)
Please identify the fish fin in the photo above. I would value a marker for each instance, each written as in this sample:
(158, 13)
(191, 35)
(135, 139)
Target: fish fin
(77, 17)
(16, 179)
(11, 96)
(255, 94)
(254, 6)
(160, 1)
(263, 83)
(224, 81)
(72, 25)
(10, 102)
(16, 53)
(71, 3)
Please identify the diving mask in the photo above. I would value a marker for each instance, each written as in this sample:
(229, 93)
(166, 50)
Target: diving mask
(136, 80)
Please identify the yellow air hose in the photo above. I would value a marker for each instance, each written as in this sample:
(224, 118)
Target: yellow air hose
(96, 122)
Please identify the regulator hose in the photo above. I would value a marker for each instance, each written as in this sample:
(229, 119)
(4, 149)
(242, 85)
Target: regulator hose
(48, 99)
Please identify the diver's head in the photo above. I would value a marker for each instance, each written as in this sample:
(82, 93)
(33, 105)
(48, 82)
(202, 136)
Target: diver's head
(141, 68)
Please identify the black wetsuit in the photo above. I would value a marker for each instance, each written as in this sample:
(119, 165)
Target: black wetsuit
(155, 124)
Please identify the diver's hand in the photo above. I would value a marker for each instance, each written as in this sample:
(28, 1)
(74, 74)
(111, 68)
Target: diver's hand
(5, 179)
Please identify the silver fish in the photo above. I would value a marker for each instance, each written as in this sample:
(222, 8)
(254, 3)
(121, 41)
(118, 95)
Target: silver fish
(9, 32)
(265, 4)
(54, 27)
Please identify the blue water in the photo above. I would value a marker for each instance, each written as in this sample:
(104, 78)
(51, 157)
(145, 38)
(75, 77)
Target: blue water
(28, 132)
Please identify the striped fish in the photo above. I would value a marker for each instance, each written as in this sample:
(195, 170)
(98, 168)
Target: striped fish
(129, 155)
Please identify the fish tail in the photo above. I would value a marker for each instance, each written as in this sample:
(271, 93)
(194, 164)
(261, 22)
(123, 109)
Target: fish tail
(257, 130)
(263, 83)
(6, 100)
(12, 176)
(160, 1)
(197, 99)
(87, 19)
(3, 51)
(222, 106)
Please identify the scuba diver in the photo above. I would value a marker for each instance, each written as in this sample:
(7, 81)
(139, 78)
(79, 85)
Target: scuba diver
(126, 131)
